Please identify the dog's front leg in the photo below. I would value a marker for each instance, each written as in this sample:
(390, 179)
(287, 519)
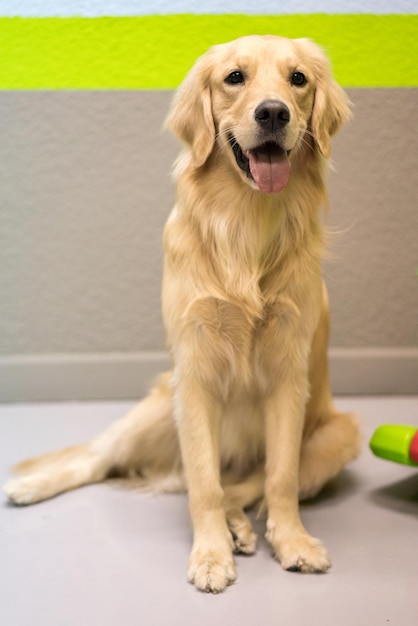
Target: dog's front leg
(212, 347)
(293, 546)
(211, 564)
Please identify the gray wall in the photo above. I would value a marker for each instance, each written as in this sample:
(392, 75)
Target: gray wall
(84, 192)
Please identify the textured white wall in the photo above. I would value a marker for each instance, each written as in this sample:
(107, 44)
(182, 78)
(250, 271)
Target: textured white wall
(84, 193)
(373, 279)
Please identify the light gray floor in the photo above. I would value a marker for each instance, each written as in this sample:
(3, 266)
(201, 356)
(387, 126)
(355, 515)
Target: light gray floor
(105, 556)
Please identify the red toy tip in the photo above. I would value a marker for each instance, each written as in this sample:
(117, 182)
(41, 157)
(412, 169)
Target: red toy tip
(413, 450)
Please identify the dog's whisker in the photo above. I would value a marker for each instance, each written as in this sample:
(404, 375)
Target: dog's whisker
(305, 142)
(226, 135)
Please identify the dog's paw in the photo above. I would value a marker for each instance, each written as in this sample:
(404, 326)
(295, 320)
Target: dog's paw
(211, 570)
(308, 556)
(299, 552)
(26, 490)
(245, 540)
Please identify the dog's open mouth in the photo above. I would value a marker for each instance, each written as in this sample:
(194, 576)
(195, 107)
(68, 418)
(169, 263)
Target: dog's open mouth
(267, 165)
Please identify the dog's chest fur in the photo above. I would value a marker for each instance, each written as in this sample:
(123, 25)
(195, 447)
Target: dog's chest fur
(247, 305)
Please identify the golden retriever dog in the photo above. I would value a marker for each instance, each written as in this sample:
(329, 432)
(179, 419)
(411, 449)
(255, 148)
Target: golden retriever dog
(246, 413)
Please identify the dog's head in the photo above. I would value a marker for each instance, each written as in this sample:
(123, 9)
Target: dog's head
(258, 99)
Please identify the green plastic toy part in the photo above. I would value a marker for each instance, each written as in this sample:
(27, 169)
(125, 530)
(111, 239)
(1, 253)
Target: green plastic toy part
(397, 443)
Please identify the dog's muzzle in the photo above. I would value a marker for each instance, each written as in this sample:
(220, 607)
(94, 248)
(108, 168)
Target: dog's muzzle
(267, 165)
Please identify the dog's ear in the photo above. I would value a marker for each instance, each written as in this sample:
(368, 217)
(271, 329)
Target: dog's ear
(331, 104)
(190, 117)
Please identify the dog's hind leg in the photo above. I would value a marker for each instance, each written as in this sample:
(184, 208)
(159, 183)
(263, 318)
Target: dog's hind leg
(334, 443)
(144, 441)
(331, 439)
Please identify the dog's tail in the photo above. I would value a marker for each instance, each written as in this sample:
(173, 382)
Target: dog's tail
(143, 443)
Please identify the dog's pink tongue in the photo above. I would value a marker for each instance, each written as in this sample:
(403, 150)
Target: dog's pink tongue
(270, 170)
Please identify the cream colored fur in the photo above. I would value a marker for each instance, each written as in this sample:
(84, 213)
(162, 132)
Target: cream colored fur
(246, 412)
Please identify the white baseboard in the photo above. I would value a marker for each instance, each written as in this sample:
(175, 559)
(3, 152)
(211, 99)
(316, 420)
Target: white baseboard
(374, 371)
(125, 376)
(56, 377)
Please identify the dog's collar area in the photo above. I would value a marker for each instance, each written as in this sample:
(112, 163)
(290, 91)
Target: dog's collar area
(267, 165)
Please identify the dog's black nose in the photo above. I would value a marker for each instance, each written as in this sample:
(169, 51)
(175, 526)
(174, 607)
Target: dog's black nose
(272, 115)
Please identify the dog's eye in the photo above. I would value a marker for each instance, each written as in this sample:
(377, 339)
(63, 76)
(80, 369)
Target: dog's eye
(298, 79)
(234, 78)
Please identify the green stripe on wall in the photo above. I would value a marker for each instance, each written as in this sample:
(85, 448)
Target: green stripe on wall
(155, 52)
